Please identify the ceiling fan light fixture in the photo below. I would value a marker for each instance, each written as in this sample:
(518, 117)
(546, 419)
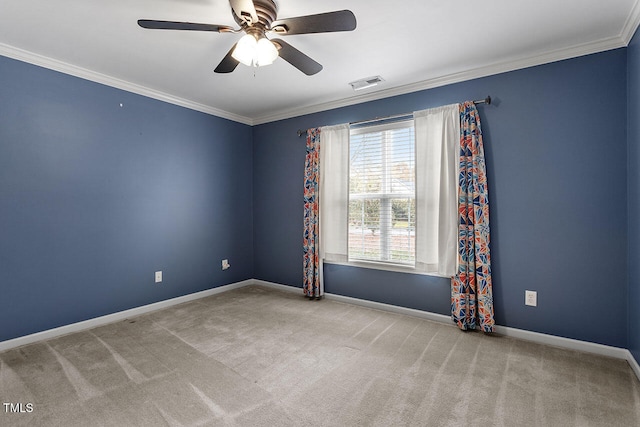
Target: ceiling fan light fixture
(246, 50)
(266, 52)
(250, 51)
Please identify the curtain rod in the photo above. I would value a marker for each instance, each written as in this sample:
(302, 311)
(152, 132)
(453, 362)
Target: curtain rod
(487, 101)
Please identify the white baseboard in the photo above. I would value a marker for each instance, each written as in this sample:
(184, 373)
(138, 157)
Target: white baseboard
(362, 302)
(568, 343)
(115, 317)
(588, 347)
(552, 340)
(633, 363)
(435, 317)
(278, 286)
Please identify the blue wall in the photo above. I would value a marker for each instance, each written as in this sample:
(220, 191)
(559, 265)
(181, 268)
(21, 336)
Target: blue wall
(634, 194)
(556, 150)
(95, 197)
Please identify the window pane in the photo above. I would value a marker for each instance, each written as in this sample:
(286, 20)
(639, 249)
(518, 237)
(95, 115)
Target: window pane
(403, 233)
(364, 229)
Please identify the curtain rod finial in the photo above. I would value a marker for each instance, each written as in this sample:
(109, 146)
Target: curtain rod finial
(487, 101)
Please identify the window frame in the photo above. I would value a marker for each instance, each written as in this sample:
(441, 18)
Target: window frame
(388, 265)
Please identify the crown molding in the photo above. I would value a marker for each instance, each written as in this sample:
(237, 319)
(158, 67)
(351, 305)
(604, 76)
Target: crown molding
(631, 26)
(503, 67)
(83, 73)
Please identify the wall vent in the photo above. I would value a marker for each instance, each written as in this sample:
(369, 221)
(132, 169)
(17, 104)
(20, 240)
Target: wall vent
(366, 83)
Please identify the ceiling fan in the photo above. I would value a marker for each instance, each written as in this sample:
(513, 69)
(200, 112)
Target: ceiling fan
(256, 18)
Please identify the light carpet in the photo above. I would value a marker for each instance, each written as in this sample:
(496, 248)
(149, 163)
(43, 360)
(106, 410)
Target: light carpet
(261, 357)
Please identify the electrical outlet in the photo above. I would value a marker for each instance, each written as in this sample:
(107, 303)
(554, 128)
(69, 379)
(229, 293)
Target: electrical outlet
(225, 264)
(531, 298)
(158, 276)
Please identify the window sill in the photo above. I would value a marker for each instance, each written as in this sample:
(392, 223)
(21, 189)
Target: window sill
(397, 268)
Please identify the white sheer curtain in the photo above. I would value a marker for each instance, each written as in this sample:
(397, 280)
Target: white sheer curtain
(334, 192)
(437, 133)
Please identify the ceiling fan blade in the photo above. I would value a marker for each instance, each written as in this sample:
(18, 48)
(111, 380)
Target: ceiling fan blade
(228, 63)
(173, 25)
(245, 10)
(296, 58)
(342, 20)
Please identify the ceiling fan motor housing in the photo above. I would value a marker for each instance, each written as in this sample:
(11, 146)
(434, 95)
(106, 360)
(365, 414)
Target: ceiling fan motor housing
(267, 12)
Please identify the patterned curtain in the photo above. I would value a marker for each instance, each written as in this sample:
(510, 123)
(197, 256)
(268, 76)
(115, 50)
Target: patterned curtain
(312, 284)
(471, 287)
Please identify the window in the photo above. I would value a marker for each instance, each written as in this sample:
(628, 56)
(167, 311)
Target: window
(388, 193)
(382, 208)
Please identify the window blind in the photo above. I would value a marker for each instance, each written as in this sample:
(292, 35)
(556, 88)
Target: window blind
(382, 208)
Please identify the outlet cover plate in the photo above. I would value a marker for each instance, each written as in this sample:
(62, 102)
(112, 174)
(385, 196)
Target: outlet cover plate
(158, 276)
(531, 298)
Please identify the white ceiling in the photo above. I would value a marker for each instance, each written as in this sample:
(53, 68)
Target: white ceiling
(412, 44)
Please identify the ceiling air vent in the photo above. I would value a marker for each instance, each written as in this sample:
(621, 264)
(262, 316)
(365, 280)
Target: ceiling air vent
(366, 83)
